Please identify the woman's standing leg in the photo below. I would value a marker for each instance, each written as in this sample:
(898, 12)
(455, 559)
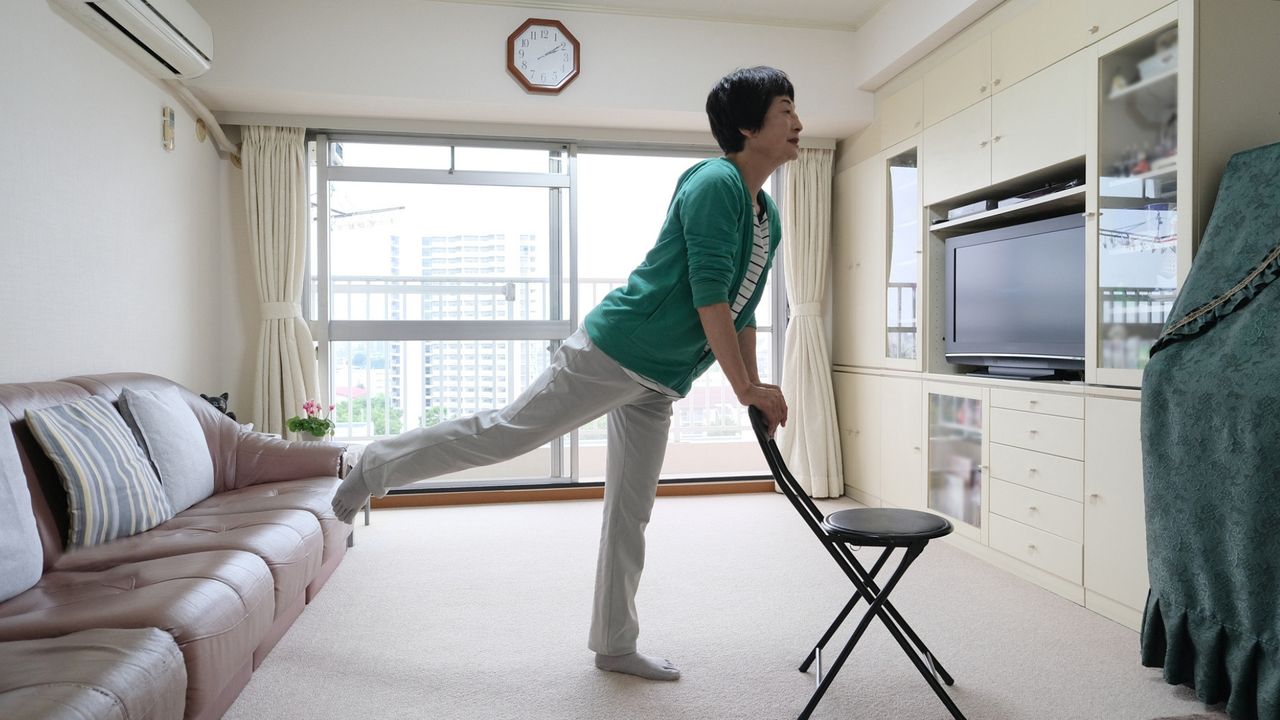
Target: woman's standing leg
(637, 445)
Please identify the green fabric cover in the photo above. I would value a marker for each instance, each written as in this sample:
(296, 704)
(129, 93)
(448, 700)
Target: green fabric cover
(1211, 457)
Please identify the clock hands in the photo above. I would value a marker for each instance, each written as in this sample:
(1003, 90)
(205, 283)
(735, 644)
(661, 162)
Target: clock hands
(557, 48)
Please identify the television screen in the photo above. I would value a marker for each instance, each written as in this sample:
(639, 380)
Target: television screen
(1015, 297)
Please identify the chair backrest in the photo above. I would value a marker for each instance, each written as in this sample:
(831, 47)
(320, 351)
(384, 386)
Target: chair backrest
(790, 487)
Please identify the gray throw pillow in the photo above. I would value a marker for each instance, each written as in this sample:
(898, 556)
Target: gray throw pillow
(23, 556)
(112, 490)
(171, 436)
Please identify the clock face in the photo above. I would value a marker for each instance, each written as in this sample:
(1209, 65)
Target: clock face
(543, 55)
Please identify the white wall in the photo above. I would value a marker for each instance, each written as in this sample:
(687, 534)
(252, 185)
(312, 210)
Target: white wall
(111, 249)
(446, 61)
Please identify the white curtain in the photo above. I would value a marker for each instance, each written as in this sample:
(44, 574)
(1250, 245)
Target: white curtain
(810, 441)
(275, 192)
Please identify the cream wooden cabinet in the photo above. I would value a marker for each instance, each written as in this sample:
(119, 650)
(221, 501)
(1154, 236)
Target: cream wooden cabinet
(960, 81)
(858, 261)
(858, 412)
(957, 154)
(1037, 459)
(1039, 122)
(1036, 38)
(900, 115)
(901, 438)
(1115, 541)
(1103, 17)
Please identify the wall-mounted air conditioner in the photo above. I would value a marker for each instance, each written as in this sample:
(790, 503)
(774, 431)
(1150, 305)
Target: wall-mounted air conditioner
(168, 37)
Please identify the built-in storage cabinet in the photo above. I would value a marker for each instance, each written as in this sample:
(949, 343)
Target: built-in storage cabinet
(858, 262)
(960, 81)
(900, 115)
(956, 455)
(1039, 122)
(901, 448)
(1115, 560)
(903, 296)
(1037, 468)
(1136, 235)
(858, 410)
(1035, 38)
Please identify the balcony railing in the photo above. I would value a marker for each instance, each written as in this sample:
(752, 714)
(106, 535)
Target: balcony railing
(398, 382)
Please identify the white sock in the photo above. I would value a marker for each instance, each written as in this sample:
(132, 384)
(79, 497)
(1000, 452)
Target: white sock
(352, 494)
(640, 665)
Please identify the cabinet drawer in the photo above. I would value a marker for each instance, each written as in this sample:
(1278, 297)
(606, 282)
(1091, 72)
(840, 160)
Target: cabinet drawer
(1039, 471)
(1043, 433)
(1037, 547)
(1051, 513)
(1047, 403)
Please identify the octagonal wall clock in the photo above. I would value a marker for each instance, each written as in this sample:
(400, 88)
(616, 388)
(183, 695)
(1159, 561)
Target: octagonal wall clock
(543, 56)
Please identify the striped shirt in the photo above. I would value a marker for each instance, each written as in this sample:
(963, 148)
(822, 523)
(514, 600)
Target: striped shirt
(759, 255)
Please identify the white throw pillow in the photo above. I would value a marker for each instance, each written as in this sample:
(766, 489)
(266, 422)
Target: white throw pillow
(23, 558)
(171, 436)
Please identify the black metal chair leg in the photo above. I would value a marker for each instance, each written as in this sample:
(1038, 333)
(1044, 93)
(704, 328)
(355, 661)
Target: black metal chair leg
(873, 611)
(869, 579)
(844, 613)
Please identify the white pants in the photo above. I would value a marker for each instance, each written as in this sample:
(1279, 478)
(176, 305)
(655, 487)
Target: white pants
(581, 384)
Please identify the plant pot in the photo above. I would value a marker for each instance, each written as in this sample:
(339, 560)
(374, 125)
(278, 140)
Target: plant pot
(308, 437)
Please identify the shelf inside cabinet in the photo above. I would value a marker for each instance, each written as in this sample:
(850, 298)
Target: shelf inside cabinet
(1061, 202)
(1163, 86)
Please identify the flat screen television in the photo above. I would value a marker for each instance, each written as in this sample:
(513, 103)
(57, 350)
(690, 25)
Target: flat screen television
(1015, 299)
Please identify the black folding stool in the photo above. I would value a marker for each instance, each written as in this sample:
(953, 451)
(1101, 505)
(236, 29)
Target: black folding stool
(889, 528)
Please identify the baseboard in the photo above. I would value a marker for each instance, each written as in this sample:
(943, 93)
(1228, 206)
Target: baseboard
(1112, 610)
(592, 492)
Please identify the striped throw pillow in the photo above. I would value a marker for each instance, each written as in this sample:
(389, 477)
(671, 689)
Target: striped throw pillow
(112, 490)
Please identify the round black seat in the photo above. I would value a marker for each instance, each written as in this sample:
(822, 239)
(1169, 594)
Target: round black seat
(883, 527)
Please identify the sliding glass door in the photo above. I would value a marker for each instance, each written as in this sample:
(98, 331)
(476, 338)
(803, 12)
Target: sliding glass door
(445, 274)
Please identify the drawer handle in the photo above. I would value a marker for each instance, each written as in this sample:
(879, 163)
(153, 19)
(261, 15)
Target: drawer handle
(982, 144)
(1033, 433)
(982, 89)
(916, 448)
(1031, 547)
(1033, 471)
(1094, 496)
(1032, 508)
(1093, 29)
(1033, 402)
(995, 82)
(996, 139)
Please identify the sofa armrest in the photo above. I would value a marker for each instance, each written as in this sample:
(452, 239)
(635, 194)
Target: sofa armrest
(263, 458)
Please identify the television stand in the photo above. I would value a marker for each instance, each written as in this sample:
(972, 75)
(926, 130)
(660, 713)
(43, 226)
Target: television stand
(1017, 373)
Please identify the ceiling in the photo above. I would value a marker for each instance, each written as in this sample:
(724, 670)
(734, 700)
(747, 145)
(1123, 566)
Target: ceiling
(848, 15)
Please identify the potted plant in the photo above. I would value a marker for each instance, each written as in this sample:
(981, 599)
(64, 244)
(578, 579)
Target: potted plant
(314, 424)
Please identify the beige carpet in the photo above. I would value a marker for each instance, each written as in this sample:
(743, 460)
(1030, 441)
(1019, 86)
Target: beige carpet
(482, 612)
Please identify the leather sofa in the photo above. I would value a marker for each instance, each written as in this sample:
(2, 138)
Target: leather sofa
(223, 579)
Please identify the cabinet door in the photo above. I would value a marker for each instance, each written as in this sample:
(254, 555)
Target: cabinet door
(960, 81)
(956, 455)
(900, 115)
(857, 258)
(957, 153)
(1043, 34)
(858, 413)
(1041, 120)
(1115, 540)
(1108, 16)
(902, 432)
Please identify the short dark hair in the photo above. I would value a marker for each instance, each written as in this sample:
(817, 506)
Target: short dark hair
(741, 99)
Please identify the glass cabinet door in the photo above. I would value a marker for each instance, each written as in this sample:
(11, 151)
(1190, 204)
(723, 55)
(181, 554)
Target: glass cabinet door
(902, 299)
(956, 455)
(1137, 196)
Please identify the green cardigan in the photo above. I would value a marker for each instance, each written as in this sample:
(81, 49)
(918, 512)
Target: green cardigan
(651, 325)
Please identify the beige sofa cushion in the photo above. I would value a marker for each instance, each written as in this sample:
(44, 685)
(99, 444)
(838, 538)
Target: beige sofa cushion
(106, 674)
